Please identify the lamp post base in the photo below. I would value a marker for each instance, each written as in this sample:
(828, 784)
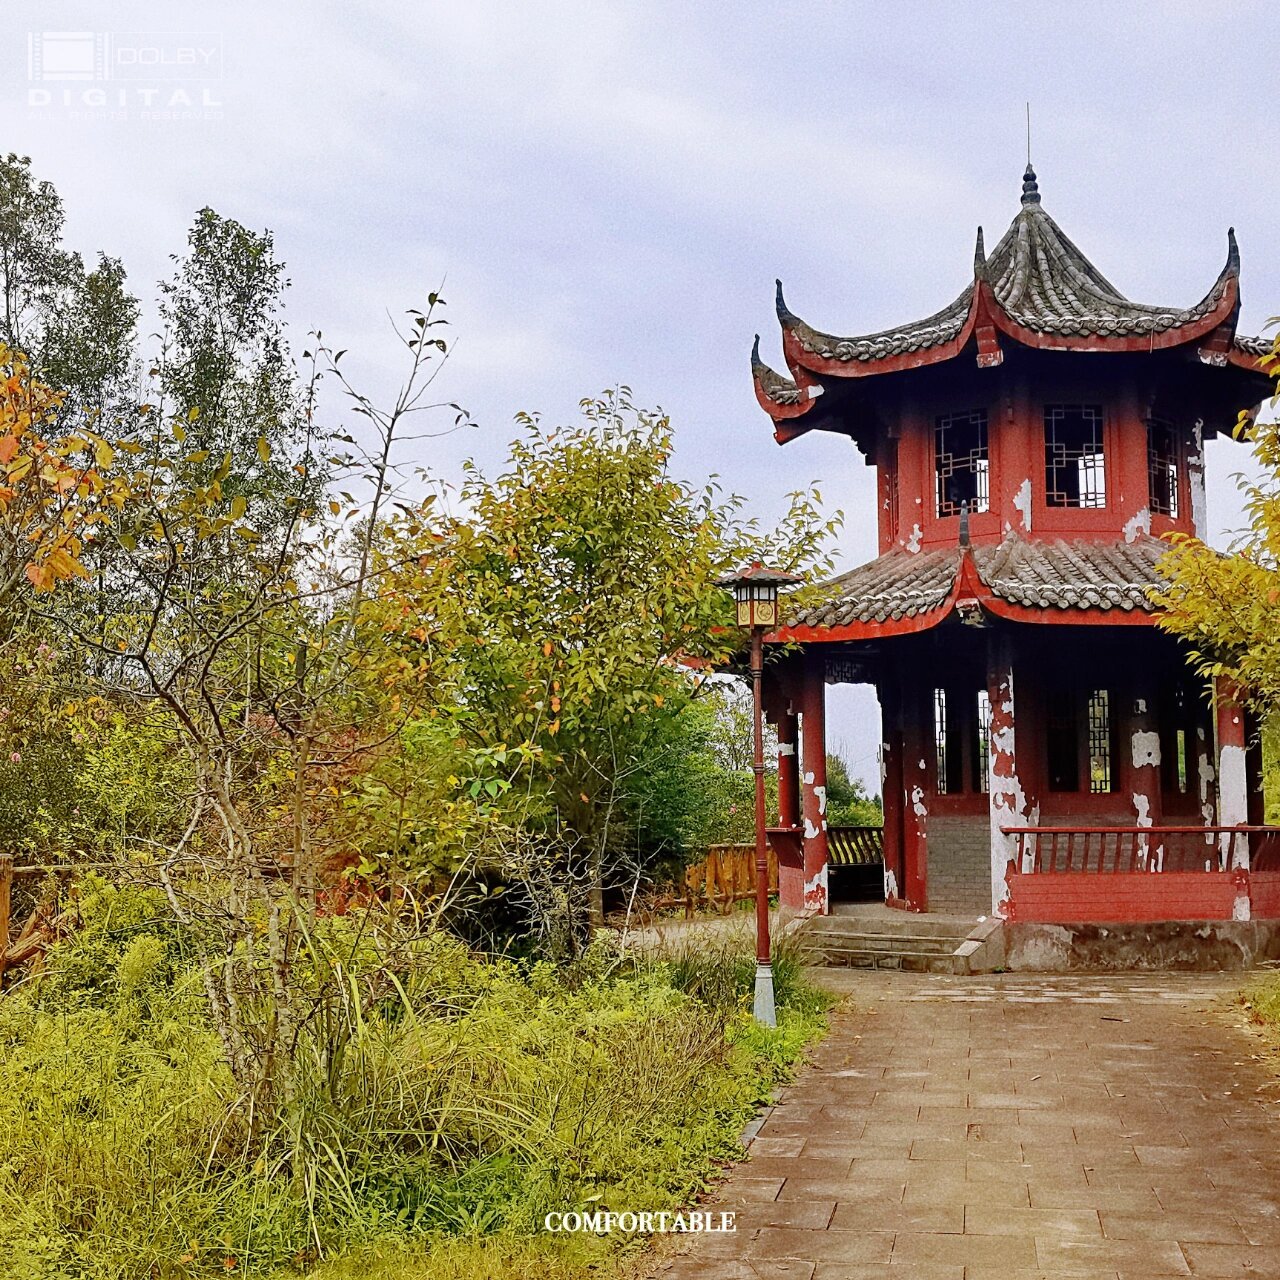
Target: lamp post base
(763, 1009)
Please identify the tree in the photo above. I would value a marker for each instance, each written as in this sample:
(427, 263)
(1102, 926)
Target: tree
(265, 635)
(848, 804)
(76, 328)
(1226, 609)
(225, 375)
(570, 601)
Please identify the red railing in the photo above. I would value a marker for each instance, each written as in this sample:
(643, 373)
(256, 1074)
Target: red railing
(1066, 850)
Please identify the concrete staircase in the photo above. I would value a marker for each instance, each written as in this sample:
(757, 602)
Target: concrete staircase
(877, 937)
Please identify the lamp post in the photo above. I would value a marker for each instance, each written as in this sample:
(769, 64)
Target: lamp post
(755, 593)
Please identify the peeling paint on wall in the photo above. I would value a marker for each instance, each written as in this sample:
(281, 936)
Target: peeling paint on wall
(918, 806)
(1137, 525)
(821, 793)
(1205, 774)
(810, 831)
(1195, 479)
(816, 892)
(1233, 796)
(1145, 745)
(786, 748)
(1142, 808)
(1022, 501)
(1009, 806)
(890, 885)
(912, 544)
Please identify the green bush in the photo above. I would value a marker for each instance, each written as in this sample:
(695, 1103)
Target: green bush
(457, 1099)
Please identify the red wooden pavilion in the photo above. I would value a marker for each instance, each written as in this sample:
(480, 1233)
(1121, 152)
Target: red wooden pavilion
(1047, 753)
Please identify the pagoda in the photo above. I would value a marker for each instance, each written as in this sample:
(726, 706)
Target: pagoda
(1047, 753)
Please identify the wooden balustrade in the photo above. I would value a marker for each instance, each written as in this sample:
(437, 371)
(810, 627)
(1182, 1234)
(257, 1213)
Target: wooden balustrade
(855, 846)
(1108, 850)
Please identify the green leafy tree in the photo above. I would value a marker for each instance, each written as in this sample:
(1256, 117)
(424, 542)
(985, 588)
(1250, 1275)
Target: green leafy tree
(568, 599)
(76, 327)
(1226, 609)
(848, 804)
(227, 378)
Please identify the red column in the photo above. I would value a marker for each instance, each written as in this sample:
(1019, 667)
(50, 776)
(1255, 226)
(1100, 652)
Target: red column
(891, 789)
(790, 867)
(916, 792)
(813, 730)
(1009, 804)
(1255, 796)
(1140, 755)
(1233, 786)
(1233, 802)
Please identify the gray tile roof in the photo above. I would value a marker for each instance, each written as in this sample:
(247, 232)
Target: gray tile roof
(1044, 575)
(1039, 279)
(896, 585)
(1072, 575)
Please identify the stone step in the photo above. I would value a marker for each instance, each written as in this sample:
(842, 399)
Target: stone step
(902, 923)
(908, 960)
(943, 944)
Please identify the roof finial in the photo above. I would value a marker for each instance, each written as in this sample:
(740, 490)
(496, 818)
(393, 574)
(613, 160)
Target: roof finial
(1028, 135)
(964, 524)
(1030, 191)
(979, 259)
(785, 317)
(1233, 251)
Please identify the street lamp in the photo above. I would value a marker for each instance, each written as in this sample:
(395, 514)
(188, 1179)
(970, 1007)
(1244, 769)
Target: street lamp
(755, 594)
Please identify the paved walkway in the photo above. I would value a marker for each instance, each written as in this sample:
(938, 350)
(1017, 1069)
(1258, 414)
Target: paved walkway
(1006, 1128)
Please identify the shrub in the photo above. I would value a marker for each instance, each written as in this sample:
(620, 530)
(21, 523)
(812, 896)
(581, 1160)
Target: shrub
(449, 1098)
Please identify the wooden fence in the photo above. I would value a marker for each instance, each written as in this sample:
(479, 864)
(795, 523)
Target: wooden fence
(725, 876)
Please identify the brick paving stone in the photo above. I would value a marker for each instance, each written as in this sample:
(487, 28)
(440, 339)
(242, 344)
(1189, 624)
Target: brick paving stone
(1013, 1128)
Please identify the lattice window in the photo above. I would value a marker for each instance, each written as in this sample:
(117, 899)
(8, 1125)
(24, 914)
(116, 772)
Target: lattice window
(1164, 458)
(960, 464)
(940, 737)
(984, 740)
(1074, 466)
(1099, 723)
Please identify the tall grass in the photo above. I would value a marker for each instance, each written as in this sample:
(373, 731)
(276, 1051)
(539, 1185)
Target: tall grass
(463, 1102)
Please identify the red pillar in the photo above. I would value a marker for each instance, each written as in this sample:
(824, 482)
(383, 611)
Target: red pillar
(813, 730)
(1233, 800)
(1233, 787)
(1255, 796)
(1009, 803)
(916, 792)
(1141, 774)
(790, 867)
(891, 789)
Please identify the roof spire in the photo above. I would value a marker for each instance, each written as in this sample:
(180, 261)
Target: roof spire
(785, 317)
(1030, 191)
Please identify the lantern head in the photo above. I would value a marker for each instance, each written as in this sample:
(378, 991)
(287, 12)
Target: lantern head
(755, 593)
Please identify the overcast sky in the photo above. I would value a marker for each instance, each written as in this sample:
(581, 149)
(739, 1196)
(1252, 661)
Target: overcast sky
(609, 189)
